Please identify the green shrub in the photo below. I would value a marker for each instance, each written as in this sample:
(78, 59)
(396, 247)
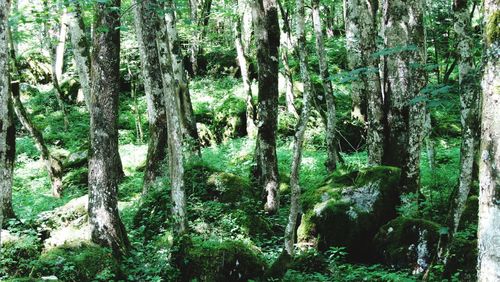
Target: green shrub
(18, 256)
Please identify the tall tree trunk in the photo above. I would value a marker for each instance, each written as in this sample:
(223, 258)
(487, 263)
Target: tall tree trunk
(200, 15)
(146, 22)
(7, 128)
(300, 132)
(81, 49)
(404, 78)
(286, 50)
(267, 34)
(469, 98)
(183, 97)
(107, 228)
(488, 266)
(244, 67)
(331, 144)
(53, 165)
(174, 124)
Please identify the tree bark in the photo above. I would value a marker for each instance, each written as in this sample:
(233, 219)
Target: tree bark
(489, 167)
(331, 139)
(267, 34)
(7, 128)
(241, 51)
(469, 98)
(147, 23)
(183, 97)
(200, 15)
(81, 49)
(404, 78)
(174, 124)
(300, 131)
(107, 228)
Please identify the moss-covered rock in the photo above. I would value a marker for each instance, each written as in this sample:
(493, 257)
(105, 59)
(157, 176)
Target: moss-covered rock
(348, 209)
(64, 225)
(408, 243)
(77, 262)
(153, 213)
(210, 260)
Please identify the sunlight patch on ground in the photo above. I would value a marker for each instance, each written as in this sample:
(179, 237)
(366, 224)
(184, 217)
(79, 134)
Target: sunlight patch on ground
(133, 156)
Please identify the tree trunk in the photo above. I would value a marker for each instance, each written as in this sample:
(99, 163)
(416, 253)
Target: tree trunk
(244, 67)
(7, 127)
(488, 266)
(469, 98)
(174, 124)
(146, 22)
(183, 97)
(53, 165)
(200, 15)
(267, 34)
(300, 132)
(81, 49)
(404, 78)
(107, 228)
(331, 144)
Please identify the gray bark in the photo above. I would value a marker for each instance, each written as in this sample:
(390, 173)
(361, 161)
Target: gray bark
(489, 167)
(107, 228)
(300, 131)
(241, 51)
(331, 144)
(469, 98)
(404, 78)
(174, 124)
(146, 22)
(81, 49)
(183, 97)
(267, 35)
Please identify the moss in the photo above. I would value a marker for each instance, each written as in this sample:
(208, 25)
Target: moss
(153, 213)
(492, 28)
(17, 256)
(397, 241)
(78, 262)
(348, 209)
(227, 187)
(211, 260)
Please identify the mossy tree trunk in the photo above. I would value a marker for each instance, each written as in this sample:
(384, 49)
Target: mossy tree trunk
(291, 227)
(107, 228)
(146, 22)
(489, 167)
(469, 100)
(404, 78)
(241, 50)
(267, 35)
(81, 49)
(331, 139)
(7, 129)
(183, 97)
(174, 124)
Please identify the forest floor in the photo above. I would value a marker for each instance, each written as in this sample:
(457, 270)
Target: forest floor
(32, 195)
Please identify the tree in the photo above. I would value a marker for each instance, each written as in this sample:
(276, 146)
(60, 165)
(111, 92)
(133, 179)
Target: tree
(6, 124)
(146, 21)
(81, 49)
(300, 131)
(331, 144)
(488, 266)
(107, 228)
(200, 15)
(404, 78)
(361, 32)
(469, 101)
(267, 35)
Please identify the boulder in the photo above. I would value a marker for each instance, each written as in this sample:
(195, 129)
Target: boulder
(408, 243)
(211, 260)
(348, 209)
(65, 225)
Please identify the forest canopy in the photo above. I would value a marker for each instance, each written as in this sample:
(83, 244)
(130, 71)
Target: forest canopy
(249, 140)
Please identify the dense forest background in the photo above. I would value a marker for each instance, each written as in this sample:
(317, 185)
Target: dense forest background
(242, 140)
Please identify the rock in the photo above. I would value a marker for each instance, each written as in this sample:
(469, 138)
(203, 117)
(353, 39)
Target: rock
(66, 224)
(210, 260)
(408, 243)
(8, 237)
(348, 209)
(76, 160)
(79, 261)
